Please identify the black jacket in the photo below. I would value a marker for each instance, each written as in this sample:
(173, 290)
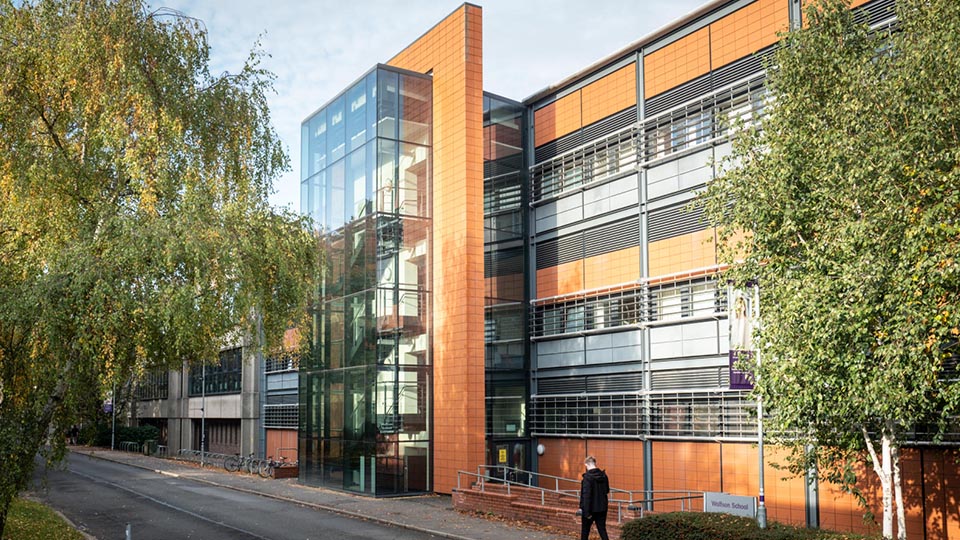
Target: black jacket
(593, 492)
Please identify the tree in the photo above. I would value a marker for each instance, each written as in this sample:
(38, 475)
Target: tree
(134, 229)
(845, 197)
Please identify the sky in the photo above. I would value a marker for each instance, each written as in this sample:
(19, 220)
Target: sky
(317, 48)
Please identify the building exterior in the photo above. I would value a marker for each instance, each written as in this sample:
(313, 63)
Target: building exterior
(507, 276)
(244, 402)
(223, 398)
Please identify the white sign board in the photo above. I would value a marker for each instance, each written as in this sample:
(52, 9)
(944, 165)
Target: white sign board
(737, 505)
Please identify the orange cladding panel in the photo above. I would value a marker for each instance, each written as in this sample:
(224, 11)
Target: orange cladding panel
(785, 494)
(611, 94)
(747, 30)
(452, 52)
(622, 461)
(685, 252)
(557, 119)
(683, 60)
(611, 268)
(562, 458)
(681, 466)
(561, 279)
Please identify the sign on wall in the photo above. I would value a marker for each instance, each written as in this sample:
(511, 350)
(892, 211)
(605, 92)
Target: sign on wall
(726, 503)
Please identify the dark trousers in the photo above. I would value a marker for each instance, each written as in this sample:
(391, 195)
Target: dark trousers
(600, 518)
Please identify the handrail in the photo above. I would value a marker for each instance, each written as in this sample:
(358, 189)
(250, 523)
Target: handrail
(633, 504)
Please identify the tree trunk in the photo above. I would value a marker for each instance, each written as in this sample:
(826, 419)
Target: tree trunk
(4, 508)
(898, 488)
(883, 467)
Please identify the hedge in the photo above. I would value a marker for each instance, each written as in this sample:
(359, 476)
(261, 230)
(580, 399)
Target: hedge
(715, 526)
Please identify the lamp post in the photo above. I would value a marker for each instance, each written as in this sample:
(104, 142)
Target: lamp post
(203, 413)
(113, 411)
(761, 507)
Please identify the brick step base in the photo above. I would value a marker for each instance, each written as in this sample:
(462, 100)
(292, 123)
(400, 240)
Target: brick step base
(524, 504)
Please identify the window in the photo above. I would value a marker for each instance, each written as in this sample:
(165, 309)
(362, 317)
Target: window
(153, 385)
(225, 377)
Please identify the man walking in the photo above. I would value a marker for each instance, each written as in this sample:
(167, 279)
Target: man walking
(593, 500)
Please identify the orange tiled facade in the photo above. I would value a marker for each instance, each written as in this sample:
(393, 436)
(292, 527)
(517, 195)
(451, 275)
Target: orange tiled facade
(576, 306)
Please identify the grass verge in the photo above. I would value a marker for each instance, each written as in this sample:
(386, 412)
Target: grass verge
(29, 520)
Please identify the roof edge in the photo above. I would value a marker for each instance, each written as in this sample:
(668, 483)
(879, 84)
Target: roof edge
(633, 47)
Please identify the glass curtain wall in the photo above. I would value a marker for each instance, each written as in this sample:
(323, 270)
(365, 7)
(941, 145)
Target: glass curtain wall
(506, 297)
(365, 387)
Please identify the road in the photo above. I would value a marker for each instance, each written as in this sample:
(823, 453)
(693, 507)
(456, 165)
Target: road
(102, 497)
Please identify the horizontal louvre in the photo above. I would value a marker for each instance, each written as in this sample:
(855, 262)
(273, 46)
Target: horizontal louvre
(620, 382)
(691, 378)
(610, 238)
(548, 254)
(281, 399)
(875, 12)
(502, 166)
(610, 124)
(546, 151)
(743, 68)
(566, 385)
(600, 128)
(504, 262)
(675, 221)
(681, 94)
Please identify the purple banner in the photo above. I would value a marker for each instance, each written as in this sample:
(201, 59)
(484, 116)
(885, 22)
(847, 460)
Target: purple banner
(739, 379)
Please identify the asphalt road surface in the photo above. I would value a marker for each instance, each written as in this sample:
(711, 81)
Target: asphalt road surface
(102, 497)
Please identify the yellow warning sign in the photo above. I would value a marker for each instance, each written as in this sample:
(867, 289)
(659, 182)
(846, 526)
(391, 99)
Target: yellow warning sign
(502, 458)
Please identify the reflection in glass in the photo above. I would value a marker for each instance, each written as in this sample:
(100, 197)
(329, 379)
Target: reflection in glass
(505, 272)
(366, 168)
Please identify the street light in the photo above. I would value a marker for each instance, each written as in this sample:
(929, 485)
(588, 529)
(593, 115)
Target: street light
(203, 412)
(761, 507)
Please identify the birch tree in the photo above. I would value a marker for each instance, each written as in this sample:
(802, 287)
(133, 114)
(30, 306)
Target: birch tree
(842, 203)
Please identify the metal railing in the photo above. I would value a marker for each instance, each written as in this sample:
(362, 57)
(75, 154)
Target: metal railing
(646, 302)
(633, 501)
(689, 126)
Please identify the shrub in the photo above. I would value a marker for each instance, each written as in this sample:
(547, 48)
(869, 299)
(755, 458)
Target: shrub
(703, 526)
(124, 433)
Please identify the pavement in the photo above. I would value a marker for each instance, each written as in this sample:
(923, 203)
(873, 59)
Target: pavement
(431, 514)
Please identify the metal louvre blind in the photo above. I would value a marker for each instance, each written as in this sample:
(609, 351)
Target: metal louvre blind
(714, 377)
(610, 124)
(874, 12)
(703, 85)
(565, 385)
(596, 130)
(619, 382)
(504, 165)
(548, 254)
(597, 241)
(675, 221)
(503, 262)
(681, 94)
(613, 237)
(743, 68)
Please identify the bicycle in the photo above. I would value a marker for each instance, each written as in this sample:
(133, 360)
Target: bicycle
(268, 465)
(236, 462)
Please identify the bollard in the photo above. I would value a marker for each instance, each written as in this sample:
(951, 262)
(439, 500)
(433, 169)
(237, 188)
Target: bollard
(129, 532)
